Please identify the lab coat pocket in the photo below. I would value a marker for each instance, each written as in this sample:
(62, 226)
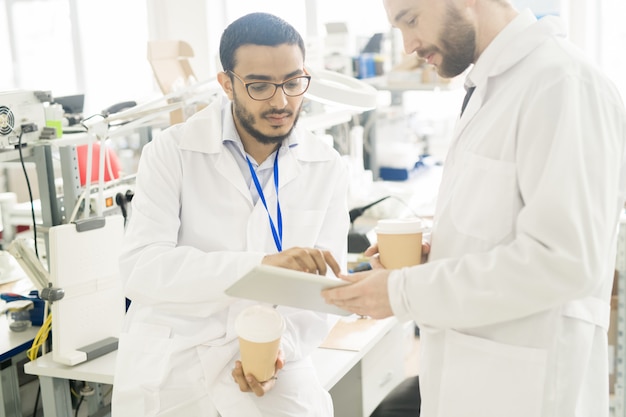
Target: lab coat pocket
(483, 378)
(484, 198)
(144, 354)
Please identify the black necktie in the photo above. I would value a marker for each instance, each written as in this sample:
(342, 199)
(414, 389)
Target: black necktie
(466, 100)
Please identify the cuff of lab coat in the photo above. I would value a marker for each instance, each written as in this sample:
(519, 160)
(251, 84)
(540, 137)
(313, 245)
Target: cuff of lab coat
(397, 295)
(246, 263)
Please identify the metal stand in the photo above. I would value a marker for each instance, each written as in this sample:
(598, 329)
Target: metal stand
(620, 266)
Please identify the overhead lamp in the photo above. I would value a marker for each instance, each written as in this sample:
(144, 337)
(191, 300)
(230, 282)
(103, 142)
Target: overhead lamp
(336, 89)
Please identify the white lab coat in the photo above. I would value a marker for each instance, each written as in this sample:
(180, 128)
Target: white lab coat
(513, 305)
(194, 230)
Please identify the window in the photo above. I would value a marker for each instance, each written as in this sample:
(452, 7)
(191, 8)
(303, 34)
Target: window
(77, 47)
(39, 43)
(612, 38)
(99, 48)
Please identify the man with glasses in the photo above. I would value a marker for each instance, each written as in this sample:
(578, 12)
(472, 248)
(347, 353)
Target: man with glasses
(237, 185)
(264, 90)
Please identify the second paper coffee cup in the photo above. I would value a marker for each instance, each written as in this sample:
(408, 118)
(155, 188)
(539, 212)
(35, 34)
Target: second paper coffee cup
(259, 329)
(400, 242)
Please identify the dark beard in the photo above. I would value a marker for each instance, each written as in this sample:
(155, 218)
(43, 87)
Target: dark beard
(247, 121)
(459, 42)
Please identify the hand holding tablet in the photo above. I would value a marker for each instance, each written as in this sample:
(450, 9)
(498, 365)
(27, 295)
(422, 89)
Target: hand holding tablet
(282, 286)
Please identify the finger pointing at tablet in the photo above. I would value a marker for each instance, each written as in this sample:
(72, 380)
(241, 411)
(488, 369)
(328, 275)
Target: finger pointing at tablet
(312, 260)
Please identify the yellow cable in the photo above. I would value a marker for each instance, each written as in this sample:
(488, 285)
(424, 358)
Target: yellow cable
(40, 338)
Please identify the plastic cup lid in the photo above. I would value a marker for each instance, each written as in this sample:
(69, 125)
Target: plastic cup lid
(259, 324)
(400, 226)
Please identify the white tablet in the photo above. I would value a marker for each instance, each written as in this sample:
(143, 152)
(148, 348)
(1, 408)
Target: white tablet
(281, 286)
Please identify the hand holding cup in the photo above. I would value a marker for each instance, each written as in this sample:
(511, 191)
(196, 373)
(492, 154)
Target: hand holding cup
(400, 242)
(259, 329)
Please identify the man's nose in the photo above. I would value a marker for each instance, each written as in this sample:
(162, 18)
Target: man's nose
(411, 43)
(279, 99)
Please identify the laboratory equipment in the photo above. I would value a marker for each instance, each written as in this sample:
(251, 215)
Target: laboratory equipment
(22, 117)
(31, 265)
(333, 88)
(87, 321)
(18, 314)
(358, 241)
(36, 313)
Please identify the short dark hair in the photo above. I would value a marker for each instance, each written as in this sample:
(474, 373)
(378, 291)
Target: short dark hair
(256, 29)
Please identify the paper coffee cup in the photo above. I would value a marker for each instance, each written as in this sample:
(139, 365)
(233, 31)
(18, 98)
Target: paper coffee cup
(259, 329)
(400, 242)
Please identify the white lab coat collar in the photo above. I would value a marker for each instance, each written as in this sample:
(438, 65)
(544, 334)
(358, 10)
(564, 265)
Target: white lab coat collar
(204, 132)
(519, 38)
(491, 56)
(513, 43)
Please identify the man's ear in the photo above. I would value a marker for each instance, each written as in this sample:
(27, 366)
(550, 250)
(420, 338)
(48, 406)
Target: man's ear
(226, 83)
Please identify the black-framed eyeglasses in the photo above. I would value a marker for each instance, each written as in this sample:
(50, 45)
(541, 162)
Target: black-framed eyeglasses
(265, 90)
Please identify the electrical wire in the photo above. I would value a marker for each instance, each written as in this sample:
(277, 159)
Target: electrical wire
(30, 192)
(40, 338)
(101, 164)
(107, 161)
(79, 201)
(83, 195)
(358, 211)
(80, 402)
(77, 206)
(88, 176)
(104, 162)
(395, 197)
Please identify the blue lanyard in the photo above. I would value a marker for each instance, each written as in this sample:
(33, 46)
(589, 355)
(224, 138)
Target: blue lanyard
(278, 236)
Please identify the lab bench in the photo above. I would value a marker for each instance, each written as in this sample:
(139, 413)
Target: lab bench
(358, 377)
(13, 347)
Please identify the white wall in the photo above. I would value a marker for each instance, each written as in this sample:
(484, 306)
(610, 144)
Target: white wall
(201, 22)
(194, 21)
(113, 53)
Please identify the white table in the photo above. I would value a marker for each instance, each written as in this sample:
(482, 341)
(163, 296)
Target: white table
(359, 380)
(13, 347)
(351, 376)
(54, 380)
